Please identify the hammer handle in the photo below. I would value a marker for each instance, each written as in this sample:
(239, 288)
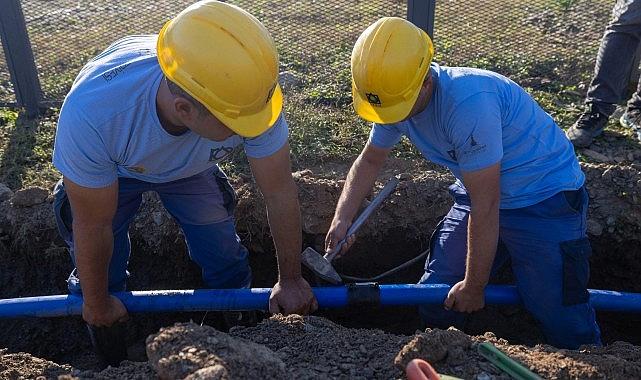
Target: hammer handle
(378, 199)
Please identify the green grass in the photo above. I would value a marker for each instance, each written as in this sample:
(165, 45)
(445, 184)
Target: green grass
(25, 150)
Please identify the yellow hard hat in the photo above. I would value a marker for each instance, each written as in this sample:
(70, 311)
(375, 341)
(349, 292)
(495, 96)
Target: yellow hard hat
(226, 59)
(389, 63)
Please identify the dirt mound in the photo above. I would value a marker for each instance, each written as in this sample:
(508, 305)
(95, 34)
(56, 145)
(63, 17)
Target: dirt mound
(316, 348)
(25, 366)
(435, 345)
(454, 353)
(126, 371)
(192, 352)
(618, 360)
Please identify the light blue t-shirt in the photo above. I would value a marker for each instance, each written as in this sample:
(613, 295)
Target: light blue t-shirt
(477, 118)
(109, 128)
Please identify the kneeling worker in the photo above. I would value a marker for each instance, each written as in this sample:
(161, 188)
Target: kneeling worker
(519, 189)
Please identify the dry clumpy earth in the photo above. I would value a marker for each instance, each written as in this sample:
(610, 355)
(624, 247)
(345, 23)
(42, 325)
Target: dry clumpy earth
(34, 261)
(296, 347)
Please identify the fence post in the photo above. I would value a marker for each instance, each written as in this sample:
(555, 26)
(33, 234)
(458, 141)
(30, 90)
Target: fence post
(17, 52)
(421, 13)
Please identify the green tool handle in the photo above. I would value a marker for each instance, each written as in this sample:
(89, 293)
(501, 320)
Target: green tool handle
(505, 363)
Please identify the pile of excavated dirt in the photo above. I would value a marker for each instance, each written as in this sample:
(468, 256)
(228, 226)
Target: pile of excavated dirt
(296, 347)
(316, 348)
(25, 366)
(192, 351)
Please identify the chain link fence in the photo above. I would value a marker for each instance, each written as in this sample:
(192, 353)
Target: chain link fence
(542, 44)
(65, 34)
(546, 44)
(6, 87)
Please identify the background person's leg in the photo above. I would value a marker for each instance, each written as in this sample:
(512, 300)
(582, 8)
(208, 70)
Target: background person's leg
(616, 56)
(129, 199)
(611, 72)
(203, 205)
(549, 250)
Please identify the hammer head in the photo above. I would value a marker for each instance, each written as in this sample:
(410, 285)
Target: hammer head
(320, 266)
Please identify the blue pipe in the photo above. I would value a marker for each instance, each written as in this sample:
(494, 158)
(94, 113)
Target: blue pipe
(258, 299)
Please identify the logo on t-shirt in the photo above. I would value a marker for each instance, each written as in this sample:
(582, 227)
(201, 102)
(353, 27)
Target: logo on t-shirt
(452, 154)
(111, 74)
(475, 147)
(217, 154)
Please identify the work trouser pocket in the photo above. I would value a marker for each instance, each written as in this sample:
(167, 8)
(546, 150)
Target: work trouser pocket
(229, 195)
(62, 211)
(576, 271)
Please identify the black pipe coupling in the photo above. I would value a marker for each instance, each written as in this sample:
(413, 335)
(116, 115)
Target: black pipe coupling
(363, 294)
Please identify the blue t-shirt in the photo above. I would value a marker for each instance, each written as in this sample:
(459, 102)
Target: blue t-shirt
(109, 128)
(477, 118)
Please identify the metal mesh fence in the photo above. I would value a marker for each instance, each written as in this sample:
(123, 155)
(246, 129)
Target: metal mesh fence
(6, 88)
(541, 43)
(66, 33)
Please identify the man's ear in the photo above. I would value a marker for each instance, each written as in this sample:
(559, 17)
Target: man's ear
(428, 80)
(185, 110)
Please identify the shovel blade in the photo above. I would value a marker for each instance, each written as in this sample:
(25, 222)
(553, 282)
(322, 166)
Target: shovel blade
(320, 266)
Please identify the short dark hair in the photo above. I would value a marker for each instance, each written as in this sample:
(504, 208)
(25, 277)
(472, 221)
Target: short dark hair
(176, 90)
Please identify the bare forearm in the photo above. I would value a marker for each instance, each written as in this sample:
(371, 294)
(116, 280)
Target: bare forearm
(359, 183)
(283, 213)
(93, 247)
(483, 234)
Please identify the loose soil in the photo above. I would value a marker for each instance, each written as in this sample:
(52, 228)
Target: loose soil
(315, 348)
(352, 343)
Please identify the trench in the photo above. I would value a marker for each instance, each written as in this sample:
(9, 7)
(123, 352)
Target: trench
(64, 340)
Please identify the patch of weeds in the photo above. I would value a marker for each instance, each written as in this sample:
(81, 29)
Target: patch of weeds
(565, 107)
(321, 133)
(25, 150)
(565, 4)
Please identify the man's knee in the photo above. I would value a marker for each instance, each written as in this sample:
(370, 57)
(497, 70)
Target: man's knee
(238, 276)
(570, 326)
(217, 249)
(435, 315)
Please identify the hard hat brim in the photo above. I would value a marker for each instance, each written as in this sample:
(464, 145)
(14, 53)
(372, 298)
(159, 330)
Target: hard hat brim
(256, 124)
(381, 114)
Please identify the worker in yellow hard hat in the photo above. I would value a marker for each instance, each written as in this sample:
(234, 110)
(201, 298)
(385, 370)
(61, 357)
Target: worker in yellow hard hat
(519, 190)
(157, 113)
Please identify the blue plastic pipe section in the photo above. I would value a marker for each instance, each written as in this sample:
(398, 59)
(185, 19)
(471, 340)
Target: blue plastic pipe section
(258, 299)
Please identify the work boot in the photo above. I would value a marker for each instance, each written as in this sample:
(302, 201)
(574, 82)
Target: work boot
(589, 125)
(631, 118)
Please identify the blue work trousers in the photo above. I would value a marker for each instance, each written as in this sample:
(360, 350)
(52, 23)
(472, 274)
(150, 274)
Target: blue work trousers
(549, 252)
(202, 205)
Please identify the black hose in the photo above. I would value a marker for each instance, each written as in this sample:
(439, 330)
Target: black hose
(389, 272)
